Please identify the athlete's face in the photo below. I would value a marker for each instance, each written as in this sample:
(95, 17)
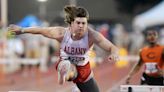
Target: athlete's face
(152, 36)
(79, 26)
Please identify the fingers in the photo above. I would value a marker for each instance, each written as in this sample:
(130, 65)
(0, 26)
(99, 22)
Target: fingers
(11, 34)
(11, 27)
(113, 58)
(14, 30)
(116, 58)
(127, 81)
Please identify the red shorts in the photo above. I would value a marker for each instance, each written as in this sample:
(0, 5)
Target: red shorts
(83, 73)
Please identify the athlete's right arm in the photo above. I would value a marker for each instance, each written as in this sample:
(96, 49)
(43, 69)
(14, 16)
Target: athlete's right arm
(162, 71)
(135, 69)
(50, 32)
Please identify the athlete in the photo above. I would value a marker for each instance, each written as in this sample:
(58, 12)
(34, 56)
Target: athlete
(152, 57)
(76, 40)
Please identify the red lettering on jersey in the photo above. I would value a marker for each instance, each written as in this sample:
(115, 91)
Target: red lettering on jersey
(75, 51)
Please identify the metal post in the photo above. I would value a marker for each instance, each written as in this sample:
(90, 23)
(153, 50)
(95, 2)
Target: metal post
(42, 8)
(4, 13)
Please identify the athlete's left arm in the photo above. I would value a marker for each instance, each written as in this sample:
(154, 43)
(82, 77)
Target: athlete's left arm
(105, 44)
(163, 61)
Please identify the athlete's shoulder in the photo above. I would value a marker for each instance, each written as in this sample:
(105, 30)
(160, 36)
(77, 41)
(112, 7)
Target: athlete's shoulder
(92, 32)
(161, 46)
(94, 35)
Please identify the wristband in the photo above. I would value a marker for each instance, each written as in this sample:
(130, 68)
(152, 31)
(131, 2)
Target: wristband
(21, 31)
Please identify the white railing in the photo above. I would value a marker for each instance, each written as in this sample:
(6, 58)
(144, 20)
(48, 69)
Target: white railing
(12, 64)
(141, 88)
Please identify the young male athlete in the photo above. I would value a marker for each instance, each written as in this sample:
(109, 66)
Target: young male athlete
(152, 57)
(76, 40)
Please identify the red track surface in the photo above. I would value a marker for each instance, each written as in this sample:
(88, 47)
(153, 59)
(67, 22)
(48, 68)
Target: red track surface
(106, 74)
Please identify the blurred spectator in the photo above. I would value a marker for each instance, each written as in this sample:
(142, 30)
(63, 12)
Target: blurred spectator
(15, 47)
(54, 48)
(32, 51)
(121, 37)
(44, 53)
(104, 30)
(136, 41)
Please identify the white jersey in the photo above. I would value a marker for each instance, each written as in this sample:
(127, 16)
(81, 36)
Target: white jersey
(74, 50)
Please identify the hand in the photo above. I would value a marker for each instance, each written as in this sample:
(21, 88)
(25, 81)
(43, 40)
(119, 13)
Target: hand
(161, 72)
(128, 79)
(14, 29)
(113, 57)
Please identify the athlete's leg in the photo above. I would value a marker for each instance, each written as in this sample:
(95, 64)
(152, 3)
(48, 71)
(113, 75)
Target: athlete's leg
(148, 80)
(63, 68)
(89, 86)
(158, 81)
(66, 71)
(144, 79)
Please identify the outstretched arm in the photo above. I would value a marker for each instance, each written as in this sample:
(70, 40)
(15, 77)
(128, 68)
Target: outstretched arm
(163, 55)
(50, 32)
(105, 44)
(135, 69)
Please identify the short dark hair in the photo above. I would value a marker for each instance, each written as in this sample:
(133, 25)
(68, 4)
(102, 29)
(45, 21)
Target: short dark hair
(150, 29)
(71, 12)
